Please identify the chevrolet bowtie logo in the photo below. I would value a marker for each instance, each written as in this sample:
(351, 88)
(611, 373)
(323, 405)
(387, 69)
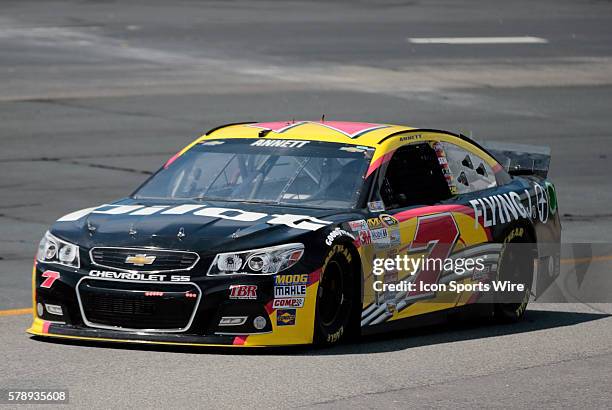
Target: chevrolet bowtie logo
(140, 259)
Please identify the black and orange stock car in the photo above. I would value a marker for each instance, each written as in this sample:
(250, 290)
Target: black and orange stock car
(266, 234)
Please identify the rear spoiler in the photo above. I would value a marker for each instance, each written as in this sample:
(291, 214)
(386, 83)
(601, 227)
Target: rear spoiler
(520, 159)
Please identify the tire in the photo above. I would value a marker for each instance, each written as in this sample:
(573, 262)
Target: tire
(337, 298)
(516, 265)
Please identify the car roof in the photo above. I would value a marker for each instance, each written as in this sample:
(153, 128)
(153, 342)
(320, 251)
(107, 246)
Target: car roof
(347, 132)
(355, 133)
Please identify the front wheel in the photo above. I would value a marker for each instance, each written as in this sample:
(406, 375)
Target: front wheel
(337, 298)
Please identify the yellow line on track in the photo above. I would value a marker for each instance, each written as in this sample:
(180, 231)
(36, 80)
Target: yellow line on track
(586, 260)
(15, 312)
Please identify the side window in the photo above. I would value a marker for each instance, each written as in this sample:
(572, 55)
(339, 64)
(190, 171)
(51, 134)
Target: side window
(468, 171)
(413, 177)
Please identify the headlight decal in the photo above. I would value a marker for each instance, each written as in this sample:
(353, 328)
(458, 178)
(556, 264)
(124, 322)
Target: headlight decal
(264, 261)
(51, 249)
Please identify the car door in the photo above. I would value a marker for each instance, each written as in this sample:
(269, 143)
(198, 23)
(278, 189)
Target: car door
(418, 221)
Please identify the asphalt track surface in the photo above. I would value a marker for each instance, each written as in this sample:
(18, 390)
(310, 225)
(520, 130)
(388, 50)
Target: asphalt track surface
(94, 95)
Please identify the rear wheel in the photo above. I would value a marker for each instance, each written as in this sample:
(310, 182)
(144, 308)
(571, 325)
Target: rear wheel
(336, 298)
(516, 266)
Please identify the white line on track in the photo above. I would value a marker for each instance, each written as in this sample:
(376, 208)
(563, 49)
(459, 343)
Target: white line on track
(477, 40)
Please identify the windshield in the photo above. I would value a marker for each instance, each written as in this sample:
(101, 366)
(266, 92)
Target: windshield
(291, 172)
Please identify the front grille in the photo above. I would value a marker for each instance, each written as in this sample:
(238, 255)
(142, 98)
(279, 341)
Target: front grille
(138, 306)
(152, 260)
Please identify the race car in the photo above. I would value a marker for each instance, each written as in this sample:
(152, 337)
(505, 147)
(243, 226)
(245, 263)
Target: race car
(271, 234)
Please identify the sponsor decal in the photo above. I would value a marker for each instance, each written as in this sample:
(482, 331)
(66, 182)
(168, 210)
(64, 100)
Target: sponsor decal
(291, 279)
(362, 231)
(443, 161)
(394, 237)
(410, 137)
(552, 197)
(352, 149)
(290, 291)
(500, 208)
(232, 320)
(140, 259)
(365, 237)
(388, 220)
(376, 206)
(290, 286)
(54, 309)
(50, 278)
(374, 223)
(359, 225)
(279, 143)
(288, 303)
(541, 202)
(380, 236)
(243, 292)
(305, 222)
(285, 317)
(336, 233)
(153, 277)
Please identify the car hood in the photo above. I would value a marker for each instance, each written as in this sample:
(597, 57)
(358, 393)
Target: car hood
(185, 226)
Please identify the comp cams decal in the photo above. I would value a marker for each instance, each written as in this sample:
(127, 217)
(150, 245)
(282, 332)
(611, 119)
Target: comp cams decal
(291, 220)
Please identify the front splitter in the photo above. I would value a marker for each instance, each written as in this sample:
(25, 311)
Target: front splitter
(50, 329)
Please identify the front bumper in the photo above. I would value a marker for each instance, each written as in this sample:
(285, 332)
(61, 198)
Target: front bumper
(189, 312)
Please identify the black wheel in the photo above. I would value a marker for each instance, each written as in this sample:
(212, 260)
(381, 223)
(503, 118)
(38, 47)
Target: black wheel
(516, 266)
(336, 298)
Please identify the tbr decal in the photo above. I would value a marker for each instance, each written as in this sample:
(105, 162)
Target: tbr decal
(243, 292)
(291, 220)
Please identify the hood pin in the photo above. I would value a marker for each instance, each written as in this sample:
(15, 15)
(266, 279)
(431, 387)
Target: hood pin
(132, 231)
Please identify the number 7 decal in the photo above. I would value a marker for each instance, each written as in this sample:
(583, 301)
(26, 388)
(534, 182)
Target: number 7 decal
(51, 276)
(437, 233)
